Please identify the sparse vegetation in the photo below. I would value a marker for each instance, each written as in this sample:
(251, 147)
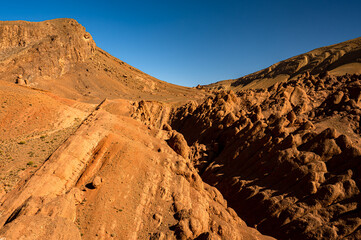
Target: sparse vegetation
(118, 209)
(30, 163)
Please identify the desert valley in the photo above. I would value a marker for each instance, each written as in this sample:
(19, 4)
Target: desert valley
(93, 148)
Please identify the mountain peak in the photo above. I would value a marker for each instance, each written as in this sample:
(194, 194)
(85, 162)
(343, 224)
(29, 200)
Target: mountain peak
(59, 55)
(42, 49)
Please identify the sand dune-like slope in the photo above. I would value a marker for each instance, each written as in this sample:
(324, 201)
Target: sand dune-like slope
(338, 59)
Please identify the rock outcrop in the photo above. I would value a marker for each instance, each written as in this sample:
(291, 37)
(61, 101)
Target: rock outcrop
(60, 56)
(116, 177)
(290, 153)
(43, 49)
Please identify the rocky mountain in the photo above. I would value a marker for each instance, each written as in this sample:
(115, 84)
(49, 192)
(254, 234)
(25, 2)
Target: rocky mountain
(60, 56)
(337, 59)
(92, 148)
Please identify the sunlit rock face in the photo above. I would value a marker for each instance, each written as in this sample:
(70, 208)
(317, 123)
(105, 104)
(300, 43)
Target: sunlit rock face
(46, 49)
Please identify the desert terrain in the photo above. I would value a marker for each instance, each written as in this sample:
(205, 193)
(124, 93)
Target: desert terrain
(338, 59)
(93, 148)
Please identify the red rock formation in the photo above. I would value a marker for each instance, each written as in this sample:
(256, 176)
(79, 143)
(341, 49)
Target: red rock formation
(293, 174)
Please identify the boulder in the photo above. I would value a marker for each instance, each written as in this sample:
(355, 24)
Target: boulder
(179, 144)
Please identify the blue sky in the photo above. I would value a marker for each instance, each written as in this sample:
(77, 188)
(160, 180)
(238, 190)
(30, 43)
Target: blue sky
(199, 42)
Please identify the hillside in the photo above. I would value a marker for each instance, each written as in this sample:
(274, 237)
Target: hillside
(60, 56)
(337, 59)
(114, 177)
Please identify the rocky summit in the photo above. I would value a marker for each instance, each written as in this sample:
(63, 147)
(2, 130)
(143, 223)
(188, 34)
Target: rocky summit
(93, 148)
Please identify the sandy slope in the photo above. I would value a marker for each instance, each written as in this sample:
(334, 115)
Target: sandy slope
(32, 125)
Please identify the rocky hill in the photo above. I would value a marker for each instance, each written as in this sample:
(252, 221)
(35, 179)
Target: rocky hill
(60, 56)
(337, 59)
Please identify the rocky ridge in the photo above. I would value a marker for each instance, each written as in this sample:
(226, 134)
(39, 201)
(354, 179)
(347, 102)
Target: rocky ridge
(88, 188)
(338, 59)
(290, 153)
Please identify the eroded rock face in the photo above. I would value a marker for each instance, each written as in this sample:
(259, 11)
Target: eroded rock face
(61, 57)
(109, 180)
(40, 227)
(43, 49)
(290, 153)
(178, 144)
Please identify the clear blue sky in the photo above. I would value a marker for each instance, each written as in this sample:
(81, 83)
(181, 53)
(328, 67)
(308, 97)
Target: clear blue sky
(199, 42)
